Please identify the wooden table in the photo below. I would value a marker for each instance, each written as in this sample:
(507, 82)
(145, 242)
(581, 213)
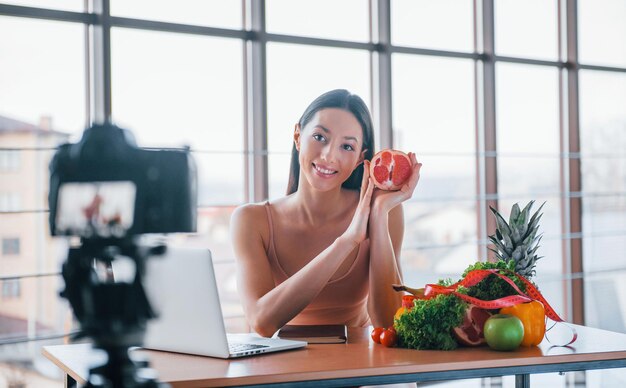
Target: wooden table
(361, 362)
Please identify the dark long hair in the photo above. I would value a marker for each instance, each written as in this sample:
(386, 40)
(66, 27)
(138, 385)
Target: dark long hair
(340, 99)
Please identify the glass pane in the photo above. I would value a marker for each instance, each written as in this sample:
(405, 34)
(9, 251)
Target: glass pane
(604, 214)
(25, 187)
(433, 24)
(604, 175)
(31, 307)
(64, 5)
(526, 28)
(220, 178)
(602, 32)
(527, 109)
(42, 76)
(176, 91)
(519, 175)
(604, 253)
(605, 306)
(440, 240)
(214, 13)
(290, 89)
(445, 177)
(433, 105)
(602, 119)
(329, 19)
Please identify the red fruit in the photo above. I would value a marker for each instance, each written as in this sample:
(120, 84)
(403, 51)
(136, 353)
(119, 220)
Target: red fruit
(407, 301)
(389, 338)
(376, 334)
(390, 169)
(470, 332)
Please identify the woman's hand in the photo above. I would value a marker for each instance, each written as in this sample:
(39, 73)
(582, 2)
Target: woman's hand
(384, 201)
(357, 230)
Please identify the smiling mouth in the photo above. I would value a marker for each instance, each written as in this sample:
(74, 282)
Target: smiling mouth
(324, 171)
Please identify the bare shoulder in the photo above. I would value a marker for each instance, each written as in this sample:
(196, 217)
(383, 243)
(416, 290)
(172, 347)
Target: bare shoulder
(250, 219)
(249, 213)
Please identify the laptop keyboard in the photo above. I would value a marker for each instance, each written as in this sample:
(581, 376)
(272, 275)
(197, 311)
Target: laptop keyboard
(238, 348)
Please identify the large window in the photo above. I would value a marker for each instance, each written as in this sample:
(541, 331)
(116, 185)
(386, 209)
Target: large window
(503, 101)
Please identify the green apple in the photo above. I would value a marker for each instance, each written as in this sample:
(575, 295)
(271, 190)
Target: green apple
(504, 332)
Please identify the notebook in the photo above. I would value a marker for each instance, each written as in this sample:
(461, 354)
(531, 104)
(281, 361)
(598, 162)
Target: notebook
(315, 334)
(182, 288)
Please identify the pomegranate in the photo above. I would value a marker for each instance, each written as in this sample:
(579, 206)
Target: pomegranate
(390, 169)
(470, 332)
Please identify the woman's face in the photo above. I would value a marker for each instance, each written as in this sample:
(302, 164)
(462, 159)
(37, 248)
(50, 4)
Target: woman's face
(331, 147)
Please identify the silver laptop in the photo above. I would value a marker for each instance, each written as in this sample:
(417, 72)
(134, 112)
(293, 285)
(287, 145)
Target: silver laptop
(181, 286)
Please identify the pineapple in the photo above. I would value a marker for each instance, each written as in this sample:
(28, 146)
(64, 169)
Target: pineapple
(518, 239)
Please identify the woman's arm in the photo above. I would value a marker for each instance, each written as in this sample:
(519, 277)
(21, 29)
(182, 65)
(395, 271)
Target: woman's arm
(268, 307)
(386, 231)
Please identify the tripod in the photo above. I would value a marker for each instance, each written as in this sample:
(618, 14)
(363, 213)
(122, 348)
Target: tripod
(113, 315)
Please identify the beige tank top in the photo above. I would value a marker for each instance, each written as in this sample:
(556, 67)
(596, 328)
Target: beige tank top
(342, 300)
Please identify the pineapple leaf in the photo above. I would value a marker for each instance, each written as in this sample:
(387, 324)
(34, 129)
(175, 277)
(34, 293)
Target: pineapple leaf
(514, 215)
(537, 216)
(502, 226)
(515, 234)
(522, 219)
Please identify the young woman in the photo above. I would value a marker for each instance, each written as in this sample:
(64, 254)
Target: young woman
(329, 251)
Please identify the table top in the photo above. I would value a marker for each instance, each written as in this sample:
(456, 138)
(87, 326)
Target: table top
(363, 361)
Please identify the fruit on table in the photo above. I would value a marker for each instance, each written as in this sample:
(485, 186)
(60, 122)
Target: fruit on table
(517, 240)
(389, 337)
(504, 332)
(390, 169)
(376, 334)
(407, 305)
(533, 317)
(470, 332)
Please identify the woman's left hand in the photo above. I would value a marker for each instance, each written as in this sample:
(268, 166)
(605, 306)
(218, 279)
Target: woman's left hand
(384, 201)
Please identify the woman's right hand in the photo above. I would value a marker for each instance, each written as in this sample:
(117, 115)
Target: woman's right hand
(357, 230)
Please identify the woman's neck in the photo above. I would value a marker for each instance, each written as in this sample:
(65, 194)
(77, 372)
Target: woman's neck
(317, 207)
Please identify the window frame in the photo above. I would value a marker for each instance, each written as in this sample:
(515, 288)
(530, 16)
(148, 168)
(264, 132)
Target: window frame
(98, 23)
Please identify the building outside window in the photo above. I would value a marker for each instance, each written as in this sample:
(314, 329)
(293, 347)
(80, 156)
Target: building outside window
(10, 246)
(10, 201)
(11, 289)
(10, 160)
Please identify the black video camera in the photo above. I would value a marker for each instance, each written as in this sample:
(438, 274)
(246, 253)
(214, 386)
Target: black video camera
(105, 187)
(107, 191)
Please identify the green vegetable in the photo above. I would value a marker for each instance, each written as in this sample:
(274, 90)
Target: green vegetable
(429, 324)
(492, 287)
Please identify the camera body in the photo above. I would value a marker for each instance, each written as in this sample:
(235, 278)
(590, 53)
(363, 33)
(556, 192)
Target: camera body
(105, 187)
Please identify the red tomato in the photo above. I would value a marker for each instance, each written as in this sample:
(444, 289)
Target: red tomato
(389, 338)
(376, 334)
